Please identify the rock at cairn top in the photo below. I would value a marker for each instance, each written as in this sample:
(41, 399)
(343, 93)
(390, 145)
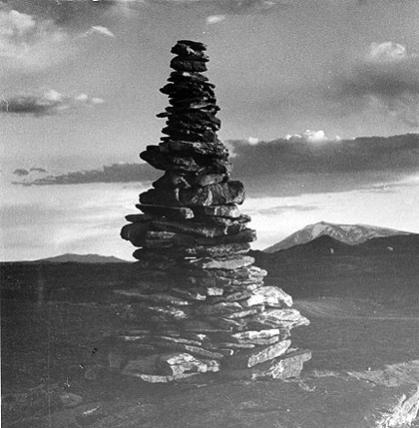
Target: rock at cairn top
(200, 303)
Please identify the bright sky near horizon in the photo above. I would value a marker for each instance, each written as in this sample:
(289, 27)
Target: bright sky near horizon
(79, 89)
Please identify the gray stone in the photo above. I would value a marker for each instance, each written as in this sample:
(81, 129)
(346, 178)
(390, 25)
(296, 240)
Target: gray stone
(196, 148)
(286, 318)
(229, 211)
(231, 192)
(68, 399)
(222, 308)
(287, 366)
(229, 263)
(247, 287)
(135, 233)
(181, 362)
(184, 65)
(144, 365)
(138, 218)
(164, 340)
(159, 235)
(258, 355)
(175, 213)
(192, 227)
(172, 180)
(216, 250)
(225, 221)
(235, 346)
(269, 296)
(203, 179)
(156, 298)
(194, 294)
(195, 350)
(209, 326)
(167, 312)
(156, 158)
(167, 196)
(246, 312)
(158, 378)
(226, 324)
(251, 335)
(237, 296)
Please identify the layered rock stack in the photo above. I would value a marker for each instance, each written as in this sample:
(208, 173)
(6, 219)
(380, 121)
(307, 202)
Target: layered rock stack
(200, 303)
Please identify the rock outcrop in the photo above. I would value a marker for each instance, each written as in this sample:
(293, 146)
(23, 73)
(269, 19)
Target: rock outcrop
(200, 303)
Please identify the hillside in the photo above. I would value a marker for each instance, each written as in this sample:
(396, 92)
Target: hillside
(382, 269)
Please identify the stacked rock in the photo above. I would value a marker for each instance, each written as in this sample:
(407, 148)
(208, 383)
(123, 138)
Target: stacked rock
(201, 303)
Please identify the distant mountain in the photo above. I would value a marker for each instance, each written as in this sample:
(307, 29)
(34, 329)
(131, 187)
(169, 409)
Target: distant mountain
(350, 234)
(80, 258)
(324, 245)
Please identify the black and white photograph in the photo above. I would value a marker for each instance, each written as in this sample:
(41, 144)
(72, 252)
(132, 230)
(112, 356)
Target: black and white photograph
(209, 213)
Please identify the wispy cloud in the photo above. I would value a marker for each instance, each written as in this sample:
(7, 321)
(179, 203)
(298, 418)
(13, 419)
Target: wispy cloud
(281, 209)
(28, 42)
(47, 103)
(310, 136)
(221, 9)
(215, 19)
(240, 7)
(37, 35)
(101, 30)
(299, 165)
(21, 172)
(300, 155)
(116, 173)
(385, 78)
(290, 166)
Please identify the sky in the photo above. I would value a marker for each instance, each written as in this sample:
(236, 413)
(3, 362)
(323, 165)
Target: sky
(301, 84)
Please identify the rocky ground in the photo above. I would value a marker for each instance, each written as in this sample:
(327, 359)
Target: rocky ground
(364, 373)
(364, 339)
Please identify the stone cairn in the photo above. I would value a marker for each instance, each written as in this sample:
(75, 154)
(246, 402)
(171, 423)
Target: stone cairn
(200, 302)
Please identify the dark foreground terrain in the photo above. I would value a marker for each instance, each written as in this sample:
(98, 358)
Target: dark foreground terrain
(364, 338)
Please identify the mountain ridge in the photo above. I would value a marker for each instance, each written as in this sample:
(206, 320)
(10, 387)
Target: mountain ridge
(79, 258)
(349, 234)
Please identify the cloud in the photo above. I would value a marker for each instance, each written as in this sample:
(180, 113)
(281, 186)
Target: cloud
(37, 35)
(281, 209)
(294, 166)
(244, 7)
(24, 214)
(47, 103)
(99, 29)
(29, 42)
(253, 140)
(38, 169)
(21, 172)
(116, 173)
(290, 166)
(218, 10)
(215, 19)
(385, 78)
(311, 137)
(387, 52)
(285, 155)
(389, 187)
